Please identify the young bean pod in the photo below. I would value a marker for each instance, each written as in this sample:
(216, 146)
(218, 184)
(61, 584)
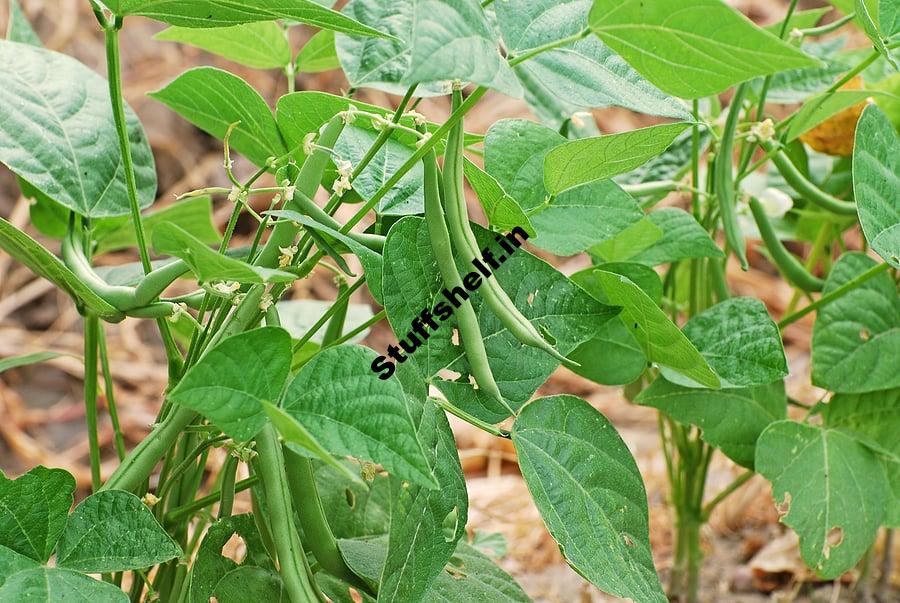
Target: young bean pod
(469, 331)
(465, 243)
(792, 269)
(802, 185)
(724, 179)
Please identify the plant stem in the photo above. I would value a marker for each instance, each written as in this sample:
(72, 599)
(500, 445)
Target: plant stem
(291, 558)
(834, 294)
(458, 412)
(179, 513)
(91, 330)
(549, 46)
(108, 387)
(335, 307)
(737, 483)
(351, 334)
(227, 490)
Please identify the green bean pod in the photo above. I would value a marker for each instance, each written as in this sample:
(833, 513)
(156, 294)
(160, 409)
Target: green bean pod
(802, 185)
(789, 266)
(464, 241)
(724, 179)
(469, 331)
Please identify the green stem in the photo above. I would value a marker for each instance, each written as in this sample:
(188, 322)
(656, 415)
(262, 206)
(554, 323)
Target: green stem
(549, 46)
(728, 491)
(835, 294)
(472, 420)
(351, 334)
(91, 330)
(109, 387)
(785, 26)
(829, 27)
(188, 461)
(179, 513)
(291, 558)
(802, 185)
(226, 497)
(695, 160)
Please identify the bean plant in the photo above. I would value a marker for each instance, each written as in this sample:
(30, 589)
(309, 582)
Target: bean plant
(356, 485)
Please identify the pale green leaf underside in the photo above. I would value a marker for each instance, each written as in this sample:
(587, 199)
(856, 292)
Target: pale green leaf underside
(691, 48)
(261, 45)
(876, 183)
(834, 488)
(113, 531)
(590, 159)
(589, 492)
(230, 382)
(58, 133)
(33, 510)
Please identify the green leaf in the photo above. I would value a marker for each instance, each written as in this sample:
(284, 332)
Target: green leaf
(889, 18)
(408, 196)
(420, 544)
(213, 99)
(601, 157)
(33, 510)
(206, 264)
(343, 403)
(873, 416)
(801, 19)
(452, 40)
(192, 215)
(222, 13)
(18, 29)
(354, 510)
(259, 45)
(52, 585)
(834, 489)
(211, 566)
(12, 562)
(796, 85)
(230, 382)
(660, 339)
(819, 108)
(381, 63)
(631, 241)
(581, 75)
(589, 492)
(59, 133)
(33, 255)
(867, 15)
(318, 54)
(876, 183)
(27, 359)
(740, 341)
(730, 420)
(856, 338)
(502, 211)
(293, 432)
(691, 48)
(248, 583)
(113, 531)
(682, 237)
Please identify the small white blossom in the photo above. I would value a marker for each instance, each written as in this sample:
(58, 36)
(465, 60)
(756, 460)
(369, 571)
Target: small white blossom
(150, 499)
(763, 131)
(797, 34)
(270, 161)
(417, 117)
(341, 185)
(344, 168)
(287, 256)
(265, 302)
(226, 287)
(234, 194)
(349, 116)
(289, 190)
(775, 202)
(309, 143)
(237, 299)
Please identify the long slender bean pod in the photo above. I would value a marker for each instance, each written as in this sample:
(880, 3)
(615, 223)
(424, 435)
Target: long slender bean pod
(724, 174)
(789, 266)
(469, 331)
(465, 243)
(802, 185)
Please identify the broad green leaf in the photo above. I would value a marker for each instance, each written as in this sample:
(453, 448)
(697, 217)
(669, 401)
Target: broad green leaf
(59, 134)
(643, 276)
(113, 531)
(545, 296)
(33, 511)
(740, 341)
(660, 339)
(354, 510)
(213, 99)
(18, 29)
(222, 13)
(856, 338)
(351, 411)
(452, 40)
(293, 432)
(591, 159)
(873, 416)
(889, 18)
(52, 585)
(682, 238)
(691, 48)
(589, 492)
(230, 382)
(833, 488)
(581, 75)
(382, 63)
(408, 196)
(867, 15)
(671, 164)
(730, 419)
(318, 54)
(630, 242)
(32, 254)
(502, 211)
(260, 45)
(12, 562)
(570, 222)
(821, 107)
(206, 264)
(211, 566)
(27, 359)
(250, 583)
(425, 524)
(876, 183)
(192, 215)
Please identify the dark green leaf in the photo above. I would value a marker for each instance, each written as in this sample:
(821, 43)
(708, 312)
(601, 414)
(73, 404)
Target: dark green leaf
(354, 510)
(589, 492)
(51, 585)
(33, 511)
(12, 562)
(501, 210)
(249, 583)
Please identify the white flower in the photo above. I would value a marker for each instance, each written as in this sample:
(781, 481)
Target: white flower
(309, 143)
(226, 287)
(775, 202)
(344, 168)
(287, 256)
(341, 185)
(417, 117)
(289, 192)
(265, 302)
(349, 116)
(763, 131)
(234, 194)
